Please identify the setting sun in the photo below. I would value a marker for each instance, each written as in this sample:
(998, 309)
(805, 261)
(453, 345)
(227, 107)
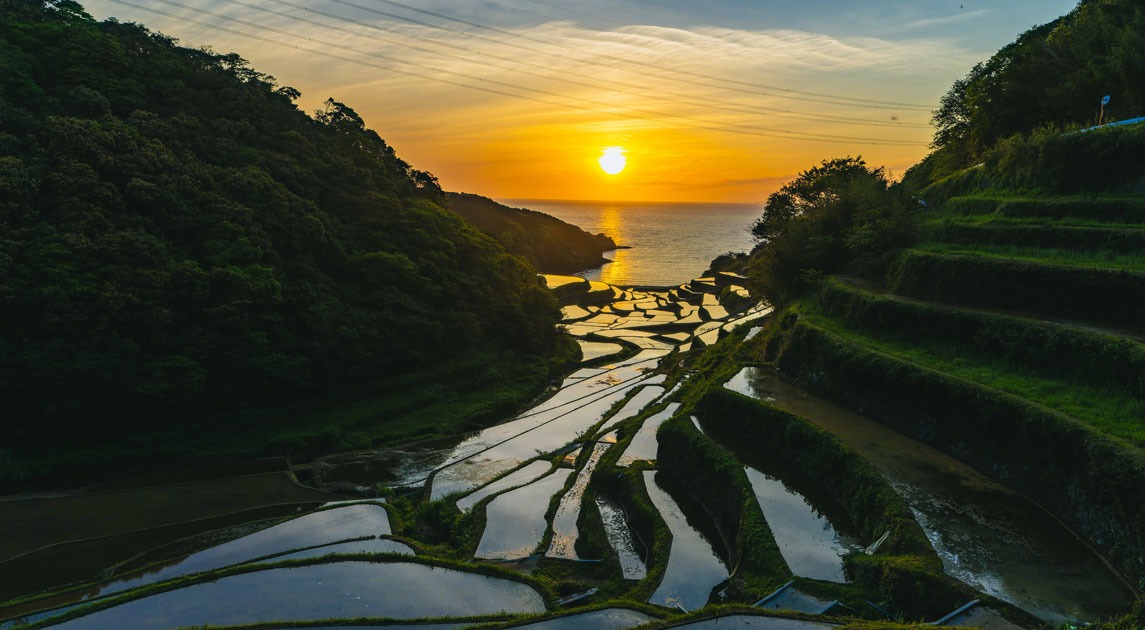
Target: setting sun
(613, 160)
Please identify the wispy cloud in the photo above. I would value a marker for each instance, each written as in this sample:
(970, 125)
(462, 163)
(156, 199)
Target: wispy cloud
(945, 21)
(517, 111)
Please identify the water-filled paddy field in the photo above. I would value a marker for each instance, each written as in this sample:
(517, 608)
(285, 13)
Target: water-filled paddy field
(986, 535)
(527, 496)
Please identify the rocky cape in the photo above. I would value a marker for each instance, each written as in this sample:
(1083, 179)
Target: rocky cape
(551, 245)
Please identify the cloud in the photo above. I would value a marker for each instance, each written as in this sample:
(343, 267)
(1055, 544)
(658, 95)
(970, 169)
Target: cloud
(927, 23)
(517, 107)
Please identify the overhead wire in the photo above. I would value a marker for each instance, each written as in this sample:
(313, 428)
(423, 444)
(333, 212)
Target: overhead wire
(646, 116)
(662, 95)
(564, 53)
(786, 91)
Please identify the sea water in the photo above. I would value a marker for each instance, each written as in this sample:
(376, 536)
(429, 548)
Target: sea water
(671, 243)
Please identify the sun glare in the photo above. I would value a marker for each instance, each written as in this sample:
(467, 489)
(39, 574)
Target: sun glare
(613, 160)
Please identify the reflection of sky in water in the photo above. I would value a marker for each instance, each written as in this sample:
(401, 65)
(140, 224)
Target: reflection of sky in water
(806, 539)
(322, 591)
(515, 521)
(693, 568)
(565, 532)
(985, 534)
(620, 537)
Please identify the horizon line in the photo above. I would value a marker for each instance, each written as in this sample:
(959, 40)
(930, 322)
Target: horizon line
(630, 201)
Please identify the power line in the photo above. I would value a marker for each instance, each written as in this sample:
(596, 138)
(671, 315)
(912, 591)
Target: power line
(565, 54)
(786, 91)
(647, 116)
(695, 102)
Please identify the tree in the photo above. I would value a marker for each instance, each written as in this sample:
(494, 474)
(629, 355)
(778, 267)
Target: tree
(838, 214)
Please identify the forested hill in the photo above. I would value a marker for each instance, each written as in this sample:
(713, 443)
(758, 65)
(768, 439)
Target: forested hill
(176, 236)
(552, 245)
(1052, 77)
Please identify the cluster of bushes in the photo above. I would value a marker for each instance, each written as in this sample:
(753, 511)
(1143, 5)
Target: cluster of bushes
(839, 215)
(1099, 295)
(1054, 75)
(1052, 161)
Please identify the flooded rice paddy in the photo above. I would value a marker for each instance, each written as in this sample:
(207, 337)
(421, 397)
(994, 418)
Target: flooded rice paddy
(343, 590)
(643, 446)
(510, 468)
(515, 479)
(694, 568)
(987, 535)
(515, 521)
(565, 532)
(316, 529)
(621, 540)
(807, 540)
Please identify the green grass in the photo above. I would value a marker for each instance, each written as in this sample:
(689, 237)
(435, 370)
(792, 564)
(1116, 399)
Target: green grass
(1109, 410)
(1064, 257)
(939, 217)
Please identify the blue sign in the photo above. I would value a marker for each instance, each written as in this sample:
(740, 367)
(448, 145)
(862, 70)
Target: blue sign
(1105, 101)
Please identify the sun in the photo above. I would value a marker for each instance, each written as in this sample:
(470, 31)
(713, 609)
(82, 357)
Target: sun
(612, 161)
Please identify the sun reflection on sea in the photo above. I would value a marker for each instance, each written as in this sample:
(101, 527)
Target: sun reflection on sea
(612, 224)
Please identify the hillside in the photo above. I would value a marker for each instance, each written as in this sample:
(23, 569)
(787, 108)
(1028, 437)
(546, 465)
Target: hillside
(179, 240)
(551, 245)
(1052, 77)
(989, 305)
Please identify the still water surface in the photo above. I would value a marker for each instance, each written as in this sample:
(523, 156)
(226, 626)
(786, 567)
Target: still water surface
(694, 568)
(671, 242)
(986, 535)
(322, 591)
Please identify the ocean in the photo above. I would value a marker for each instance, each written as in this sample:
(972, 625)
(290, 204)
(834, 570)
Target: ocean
(671, 243)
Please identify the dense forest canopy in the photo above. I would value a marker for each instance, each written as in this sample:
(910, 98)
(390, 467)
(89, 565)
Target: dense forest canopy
(1054, 75)
(176, 236)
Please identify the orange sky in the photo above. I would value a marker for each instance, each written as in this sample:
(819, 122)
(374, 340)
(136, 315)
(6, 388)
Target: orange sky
(703, 113)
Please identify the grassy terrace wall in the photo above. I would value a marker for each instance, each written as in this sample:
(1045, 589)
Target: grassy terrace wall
(1106, 209)
(1104, 160)
(1104, 295)
(1124, 240)
(1054, 351)
(1093, 483)
(715, 480)
(905, 574)
(871, 505)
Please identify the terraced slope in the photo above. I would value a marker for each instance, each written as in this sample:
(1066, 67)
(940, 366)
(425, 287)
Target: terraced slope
(1010, 337)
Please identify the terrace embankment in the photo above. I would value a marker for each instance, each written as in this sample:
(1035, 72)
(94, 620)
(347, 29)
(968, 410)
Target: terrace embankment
(1008, 340)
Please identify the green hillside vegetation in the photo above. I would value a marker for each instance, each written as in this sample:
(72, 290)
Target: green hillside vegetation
(178, 240)
(999, 317)
(1053, 76)
(551, 245)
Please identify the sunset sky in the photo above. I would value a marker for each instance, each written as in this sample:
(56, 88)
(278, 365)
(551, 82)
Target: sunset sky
(715, 100)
